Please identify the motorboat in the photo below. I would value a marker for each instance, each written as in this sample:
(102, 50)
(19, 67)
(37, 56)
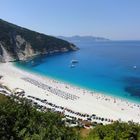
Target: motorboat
(74, 61)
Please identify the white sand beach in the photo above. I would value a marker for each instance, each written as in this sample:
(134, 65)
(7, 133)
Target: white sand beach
(76, 99)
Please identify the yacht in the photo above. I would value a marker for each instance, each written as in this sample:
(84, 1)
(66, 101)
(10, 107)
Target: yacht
(74, 61)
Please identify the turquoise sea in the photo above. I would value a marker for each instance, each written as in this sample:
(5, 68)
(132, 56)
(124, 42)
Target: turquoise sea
(111, 67)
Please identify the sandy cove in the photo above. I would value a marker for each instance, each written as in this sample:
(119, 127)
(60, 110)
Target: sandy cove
(76, 99)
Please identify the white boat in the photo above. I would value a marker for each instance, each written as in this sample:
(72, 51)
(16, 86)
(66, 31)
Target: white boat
(72, 66)
(74, 61)
(134, 67)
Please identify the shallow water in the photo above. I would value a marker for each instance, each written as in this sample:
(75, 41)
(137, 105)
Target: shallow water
(104, 66)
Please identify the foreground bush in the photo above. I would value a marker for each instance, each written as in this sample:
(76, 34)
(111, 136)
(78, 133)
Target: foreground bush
(115, 131)
(21, 121)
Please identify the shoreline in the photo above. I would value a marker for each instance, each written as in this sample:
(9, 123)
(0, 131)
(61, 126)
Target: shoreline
(110, 94)
(87, 102)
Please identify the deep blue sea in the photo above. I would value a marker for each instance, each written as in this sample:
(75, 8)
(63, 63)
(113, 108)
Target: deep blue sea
(112, 67)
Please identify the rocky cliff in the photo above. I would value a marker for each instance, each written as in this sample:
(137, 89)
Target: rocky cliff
(17, 43)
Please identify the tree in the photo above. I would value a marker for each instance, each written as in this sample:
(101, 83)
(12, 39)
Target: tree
(21, 121)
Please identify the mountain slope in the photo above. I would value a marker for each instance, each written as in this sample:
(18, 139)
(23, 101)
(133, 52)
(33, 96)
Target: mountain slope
(17, 43)
(86, 39)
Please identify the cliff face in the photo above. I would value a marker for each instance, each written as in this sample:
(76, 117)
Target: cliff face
(17, 43)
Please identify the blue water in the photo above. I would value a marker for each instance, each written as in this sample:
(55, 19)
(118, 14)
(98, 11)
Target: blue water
(104, 66)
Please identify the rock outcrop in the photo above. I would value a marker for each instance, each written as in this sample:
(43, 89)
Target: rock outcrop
(17, 43)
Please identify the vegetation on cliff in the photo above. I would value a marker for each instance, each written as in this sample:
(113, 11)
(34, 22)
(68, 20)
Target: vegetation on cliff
(21, 43)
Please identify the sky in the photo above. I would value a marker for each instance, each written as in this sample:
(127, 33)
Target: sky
(113, 19)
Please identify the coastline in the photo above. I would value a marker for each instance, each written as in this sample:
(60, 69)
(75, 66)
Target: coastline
(87, 102)
(114, 92)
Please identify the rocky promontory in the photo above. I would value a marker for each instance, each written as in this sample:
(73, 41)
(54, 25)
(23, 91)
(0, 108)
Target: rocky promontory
(18, 43)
